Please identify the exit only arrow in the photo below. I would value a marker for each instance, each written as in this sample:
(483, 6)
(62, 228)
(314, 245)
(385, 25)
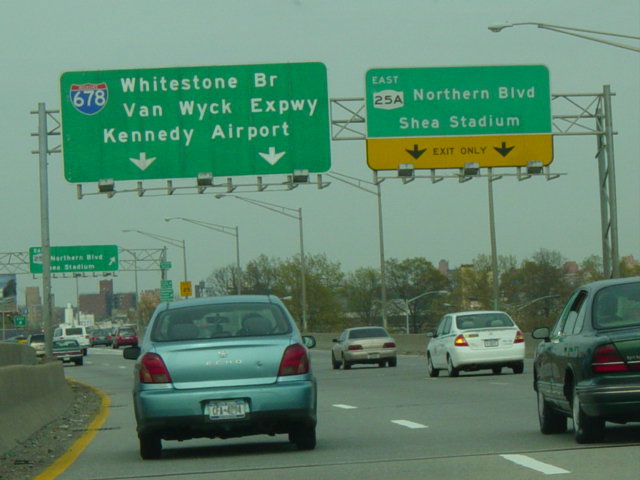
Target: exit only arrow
(415, 153)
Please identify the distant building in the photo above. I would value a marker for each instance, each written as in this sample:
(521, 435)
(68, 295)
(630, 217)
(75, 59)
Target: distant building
(106, 304)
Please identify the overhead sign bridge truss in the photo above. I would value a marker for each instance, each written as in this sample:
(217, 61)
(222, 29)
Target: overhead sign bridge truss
(130, 259)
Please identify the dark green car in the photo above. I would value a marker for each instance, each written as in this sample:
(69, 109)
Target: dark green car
(588, 365)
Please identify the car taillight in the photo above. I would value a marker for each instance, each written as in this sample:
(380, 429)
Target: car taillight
(606, 359)
(389, 345)
(519, 337)
(294, 361)
(354, 347)
(153, 369)
(460, 341)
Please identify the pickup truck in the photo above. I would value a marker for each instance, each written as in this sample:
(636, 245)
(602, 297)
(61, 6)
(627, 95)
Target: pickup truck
(68, 351)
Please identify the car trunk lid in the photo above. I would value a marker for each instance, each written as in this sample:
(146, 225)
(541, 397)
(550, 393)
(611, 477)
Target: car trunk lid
(490, 338)
(223, 363)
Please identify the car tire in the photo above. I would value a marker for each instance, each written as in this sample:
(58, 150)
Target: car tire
(382, 364)
(346, 365)
(550, 420)
(115, 345)
(518, 368)
(392, 362)
(586, 429)
(496, 370)
(303, 437)
(433, 371)
(453, 371)
(150, 446)
(335, 363)
(79, 362)
(84, 352)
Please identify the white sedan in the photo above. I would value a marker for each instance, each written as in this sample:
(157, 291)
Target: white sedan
(475, 340)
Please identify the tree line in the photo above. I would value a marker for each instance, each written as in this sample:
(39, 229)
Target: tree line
(532, 291)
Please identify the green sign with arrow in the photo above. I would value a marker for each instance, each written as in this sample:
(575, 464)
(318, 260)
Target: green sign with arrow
(84, 258)
(189, 121)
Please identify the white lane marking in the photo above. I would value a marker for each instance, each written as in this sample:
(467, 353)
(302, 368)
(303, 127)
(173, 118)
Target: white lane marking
(408, 424)
(529, 462)
(346, 407)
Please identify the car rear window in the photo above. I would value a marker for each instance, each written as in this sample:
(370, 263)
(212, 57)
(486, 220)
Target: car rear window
(37, 338)
(617, 306)
(127, 331)
(483, 320)
(220, 321)
(367, 333)
(73, 331)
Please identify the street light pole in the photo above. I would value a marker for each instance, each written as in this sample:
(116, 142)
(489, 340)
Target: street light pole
(171, 241)
(494, 249)
(572, 31)
(233, 231)
(295, 213)
(356, 182)
(407, 302)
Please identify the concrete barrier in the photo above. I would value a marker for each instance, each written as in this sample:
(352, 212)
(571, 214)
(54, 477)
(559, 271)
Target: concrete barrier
(412, 344)
(31, 394)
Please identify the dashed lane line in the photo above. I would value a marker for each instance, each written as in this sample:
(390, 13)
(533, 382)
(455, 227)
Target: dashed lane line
(533, 464)
(408, 424)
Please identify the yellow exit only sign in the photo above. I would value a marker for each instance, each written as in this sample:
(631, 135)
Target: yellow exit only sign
(455, 152)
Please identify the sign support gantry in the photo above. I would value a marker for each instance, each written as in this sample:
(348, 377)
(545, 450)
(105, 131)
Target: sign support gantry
(574, 115)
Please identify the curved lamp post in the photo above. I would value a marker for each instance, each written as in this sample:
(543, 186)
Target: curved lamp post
(358, 183)
(574, 32)
(295, 213)
(171, 241)
(409, 301)
(233, 231)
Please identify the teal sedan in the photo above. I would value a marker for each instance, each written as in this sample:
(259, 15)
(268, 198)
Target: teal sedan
(223, 367)
(587, 367)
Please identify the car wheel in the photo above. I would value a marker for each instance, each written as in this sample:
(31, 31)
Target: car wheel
(84, 352)
(550, 420)
(150, 446)
(346, 365)
(79, 362)
(303, 437)
(586, 429)
(453, 371)
(433, 372)
(496, 370)
(382, 364)
(335, 363)
(115, 345)
(392, 362)
(518, 368)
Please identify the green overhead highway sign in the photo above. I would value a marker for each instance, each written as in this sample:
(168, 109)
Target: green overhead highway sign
(446, 117)
(186, 121)
(84, 258)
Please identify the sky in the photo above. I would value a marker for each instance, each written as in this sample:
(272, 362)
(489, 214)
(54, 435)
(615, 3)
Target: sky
(447, 220)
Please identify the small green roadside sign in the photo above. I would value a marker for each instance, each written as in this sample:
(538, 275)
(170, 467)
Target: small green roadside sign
(19, 321)
(83, 258)
(188, 121)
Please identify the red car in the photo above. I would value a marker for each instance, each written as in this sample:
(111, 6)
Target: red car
(125, 336)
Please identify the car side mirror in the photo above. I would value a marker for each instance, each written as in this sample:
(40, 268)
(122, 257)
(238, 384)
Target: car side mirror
(309, 341)
(131, 353)
(335, 340)
(541, 333)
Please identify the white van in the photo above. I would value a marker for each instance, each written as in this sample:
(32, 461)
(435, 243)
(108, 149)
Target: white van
(78, 333)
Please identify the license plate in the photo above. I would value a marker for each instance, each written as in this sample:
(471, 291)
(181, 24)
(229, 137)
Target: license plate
(225, 409)
(373, 355)
(492, 342)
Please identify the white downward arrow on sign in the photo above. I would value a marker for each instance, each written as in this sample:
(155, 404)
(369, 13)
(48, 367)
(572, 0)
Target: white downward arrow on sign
(272, 157)
(143, 162)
